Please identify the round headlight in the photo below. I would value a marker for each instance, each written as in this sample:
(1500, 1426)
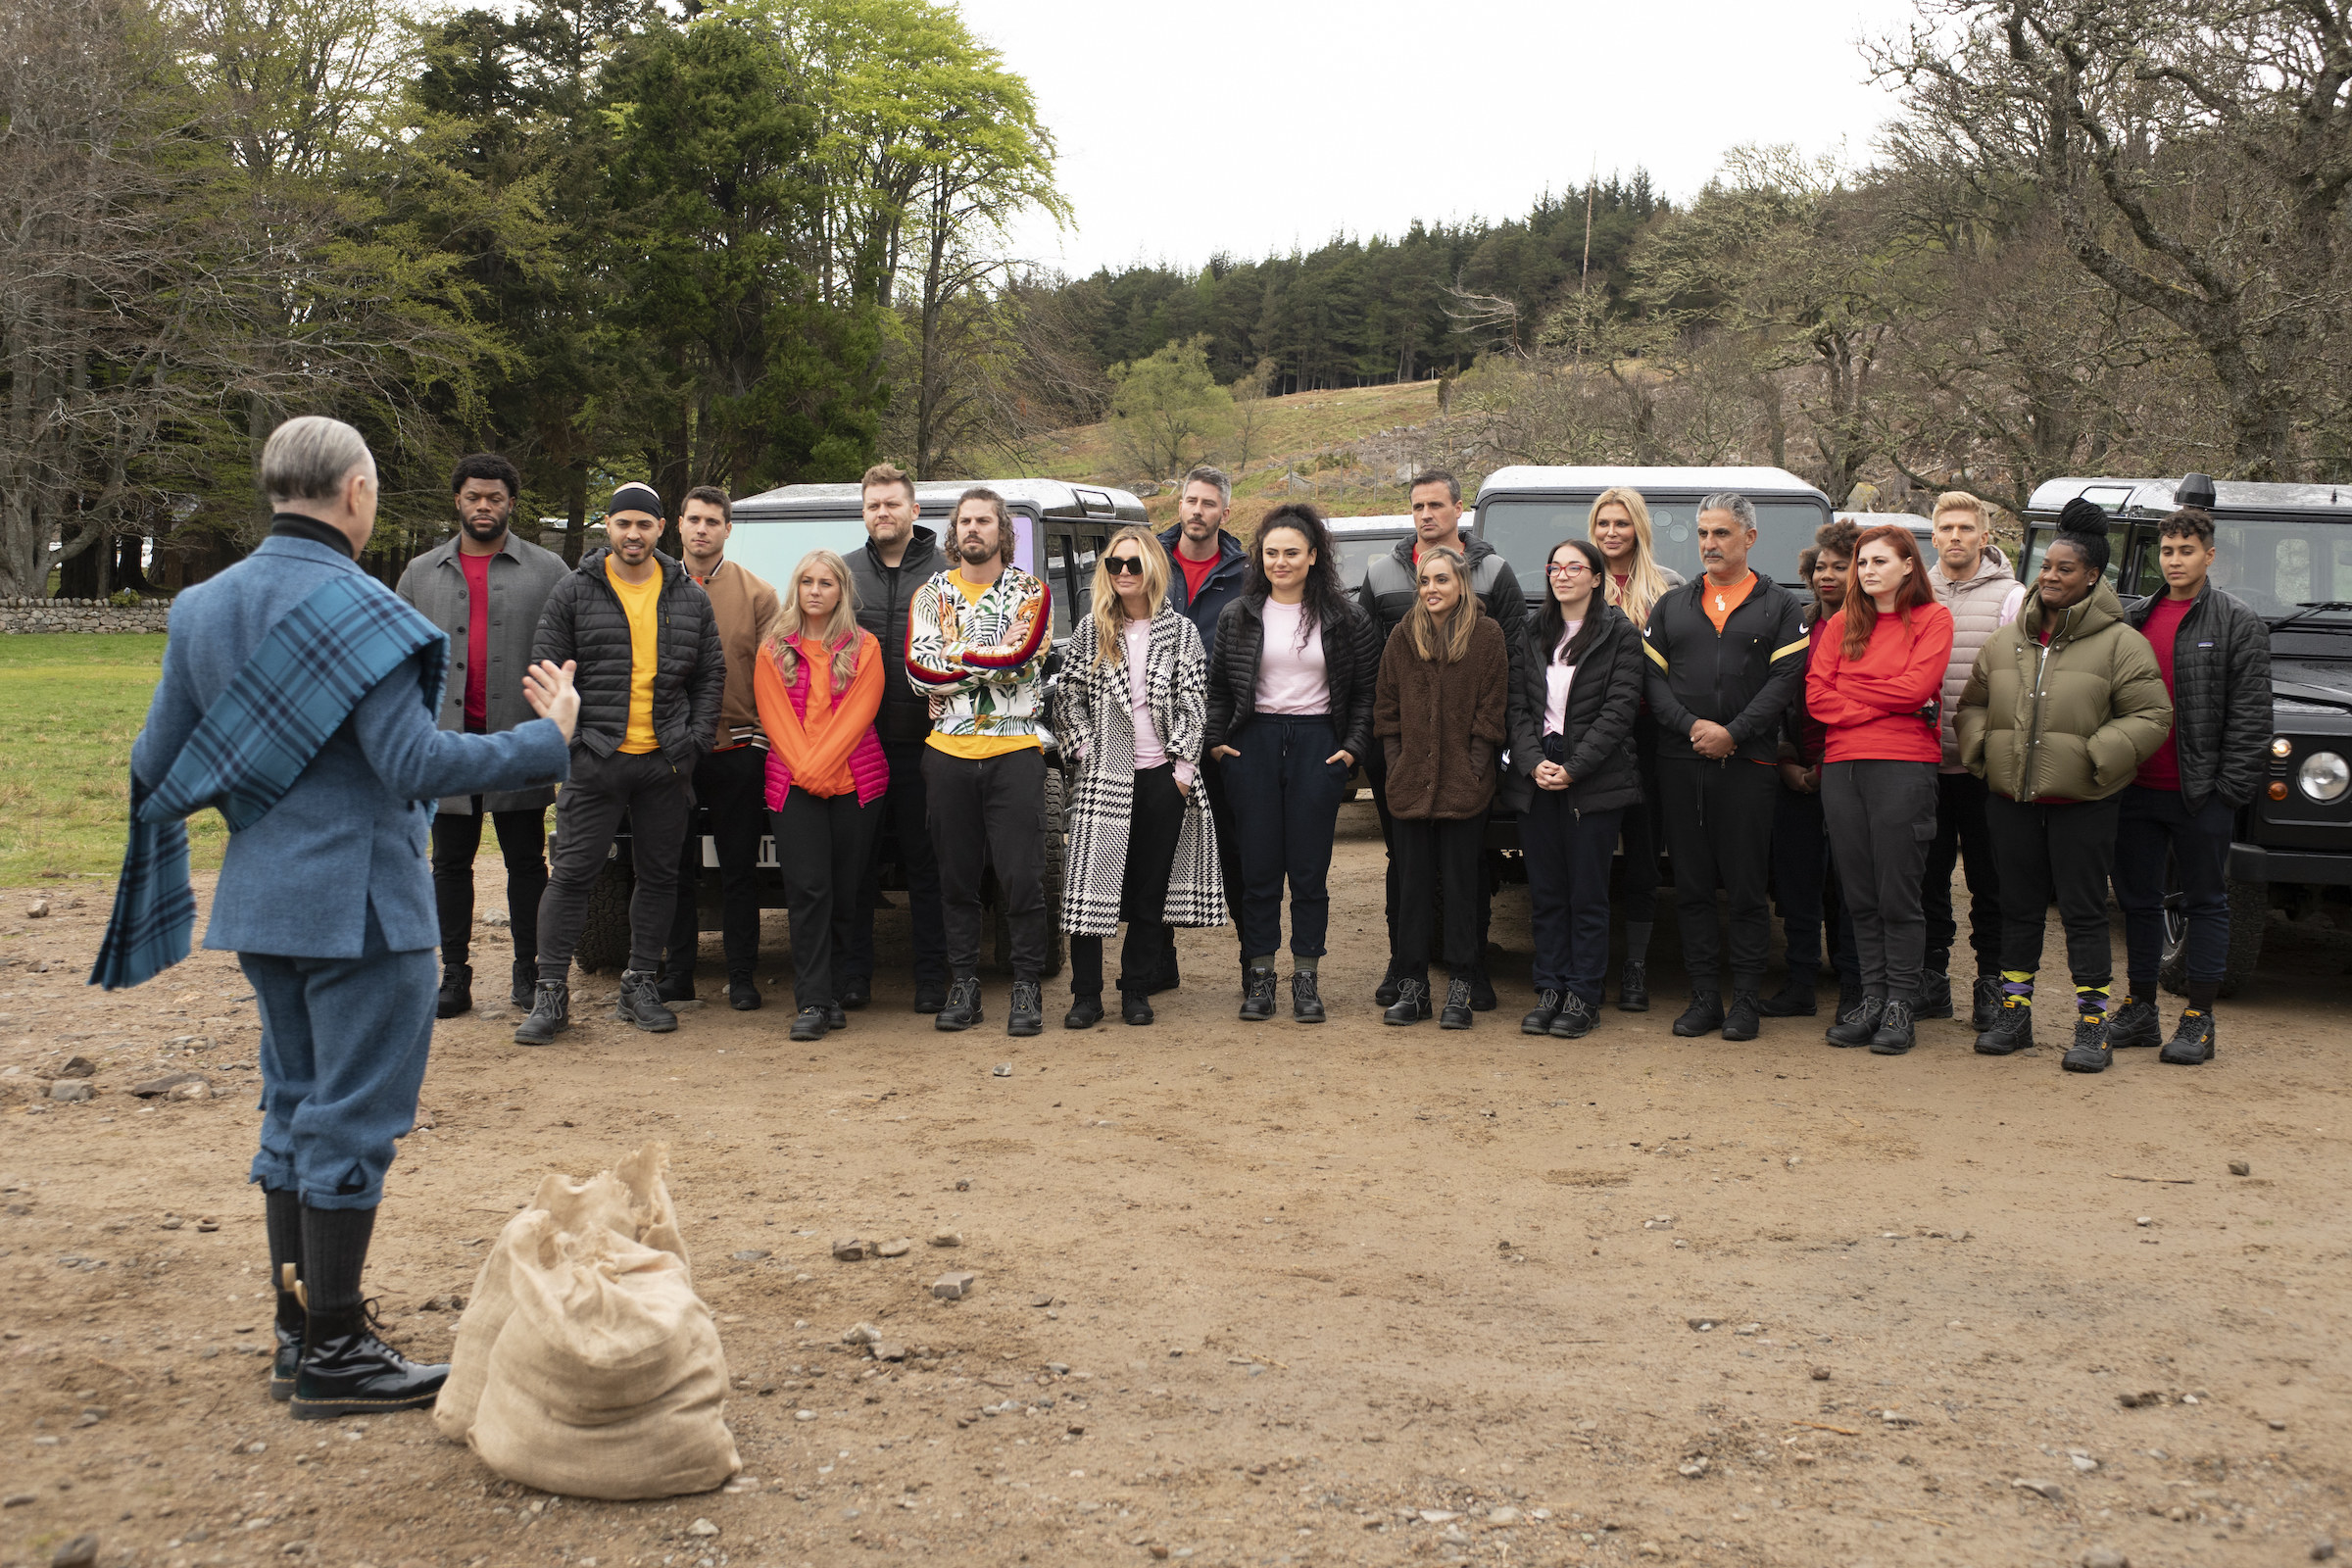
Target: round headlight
(2325, 778)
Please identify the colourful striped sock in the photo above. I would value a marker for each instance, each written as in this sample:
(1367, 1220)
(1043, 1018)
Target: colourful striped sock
(2017, 988)
(2091, 998)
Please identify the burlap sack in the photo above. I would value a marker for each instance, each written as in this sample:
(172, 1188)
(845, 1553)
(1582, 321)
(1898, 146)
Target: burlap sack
(585, 1363)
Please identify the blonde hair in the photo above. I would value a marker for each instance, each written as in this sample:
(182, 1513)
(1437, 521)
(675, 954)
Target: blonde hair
(1445, 644)
(1109, 615)
(784, 629)
(1645, 585)
(1960, 501)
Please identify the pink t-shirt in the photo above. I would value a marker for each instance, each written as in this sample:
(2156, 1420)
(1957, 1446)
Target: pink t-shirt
(1149, 753)
(1292, 681)
(1557, 677)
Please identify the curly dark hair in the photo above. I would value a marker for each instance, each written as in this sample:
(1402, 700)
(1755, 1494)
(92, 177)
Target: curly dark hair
(486, 466)
(1326, 600)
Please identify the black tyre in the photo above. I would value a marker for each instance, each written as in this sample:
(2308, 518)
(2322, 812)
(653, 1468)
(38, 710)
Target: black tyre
(1056, 852)
(2249, 913)
(605, 936)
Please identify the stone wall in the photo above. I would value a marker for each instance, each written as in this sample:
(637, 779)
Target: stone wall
(79, 614)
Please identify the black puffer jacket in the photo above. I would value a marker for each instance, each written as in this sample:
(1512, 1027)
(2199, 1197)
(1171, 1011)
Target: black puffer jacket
(1743, 677)
(1350, 652)
(584, 621)
(884, 596)
(2221, 696)
(1598, 726)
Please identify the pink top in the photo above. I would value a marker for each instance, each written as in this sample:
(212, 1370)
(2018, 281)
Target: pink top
(1557, 678)
(1150, 750)
(867, 766)
(1292, 680)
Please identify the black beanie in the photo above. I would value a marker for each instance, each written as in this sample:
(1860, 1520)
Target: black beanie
(2083, 525)
(634, 497)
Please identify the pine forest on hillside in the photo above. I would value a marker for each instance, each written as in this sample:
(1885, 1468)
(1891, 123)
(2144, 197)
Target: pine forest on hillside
(767, 241)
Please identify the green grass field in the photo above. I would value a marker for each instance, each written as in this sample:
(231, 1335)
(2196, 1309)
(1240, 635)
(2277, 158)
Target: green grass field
(70, 707)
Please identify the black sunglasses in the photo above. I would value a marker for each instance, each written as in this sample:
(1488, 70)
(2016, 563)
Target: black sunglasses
(1123, 565)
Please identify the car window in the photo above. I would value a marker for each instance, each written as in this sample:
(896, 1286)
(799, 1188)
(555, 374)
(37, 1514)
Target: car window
(2038, 545)
(1525, 529)
(1356, 552)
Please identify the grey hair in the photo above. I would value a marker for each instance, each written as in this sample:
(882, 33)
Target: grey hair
(308, 458)
(1742, 510)
(1203, 474)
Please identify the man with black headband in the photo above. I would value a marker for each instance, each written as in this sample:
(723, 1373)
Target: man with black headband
(652, 677)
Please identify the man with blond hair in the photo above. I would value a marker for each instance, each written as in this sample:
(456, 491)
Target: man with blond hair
(1973, 580)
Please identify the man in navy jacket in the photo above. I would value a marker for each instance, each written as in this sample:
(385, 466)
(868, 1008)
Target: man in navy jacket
(327, 901)
(1207, 571)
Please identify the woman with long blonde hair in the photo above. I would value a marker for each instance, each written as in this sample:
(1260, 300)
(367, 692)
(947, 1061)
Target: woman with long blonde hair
(1441, 709)
(818, 684)
(1130, 713)
(1619, 525)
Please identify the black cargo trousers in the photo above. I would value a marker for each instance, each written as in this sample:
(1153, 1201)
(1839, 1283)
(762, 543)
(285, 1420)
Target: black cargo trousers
(658, 801)
(989, 814)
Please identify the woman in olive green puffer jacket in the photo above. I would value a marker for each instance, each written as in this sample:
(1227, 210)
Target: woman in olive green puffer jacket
(2063, 706)
(2069, 722)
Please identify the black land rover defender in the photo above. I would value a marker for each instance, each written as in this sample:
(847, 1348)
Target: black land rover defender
(1059, 528)
(2285, 550)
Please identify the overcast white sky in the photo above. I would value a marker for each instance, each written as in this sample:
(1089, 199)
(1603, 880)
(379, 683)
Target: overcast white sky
(1250, 125)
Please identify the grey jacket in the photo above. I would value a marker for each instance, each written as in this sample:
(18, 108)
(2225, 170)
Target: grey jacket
(521, 576)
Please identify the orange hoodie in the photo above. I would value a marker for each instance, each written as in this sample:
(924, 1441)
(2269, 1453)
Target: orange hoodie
(1870, 705)
(817, 748)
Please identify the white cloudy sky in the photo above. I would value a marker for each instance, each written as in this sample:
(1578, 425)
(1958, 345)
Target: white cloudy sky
(1250, 125)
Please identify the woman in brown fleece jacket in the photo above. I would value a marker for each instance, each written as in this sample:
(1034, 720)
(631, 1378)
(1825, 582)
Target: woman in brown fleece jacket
(1441, 710)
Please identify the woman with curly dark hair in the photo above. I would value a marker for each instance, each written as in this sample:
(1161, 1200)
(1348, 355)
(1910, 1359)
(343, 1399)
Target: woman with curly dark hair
(1290, 716)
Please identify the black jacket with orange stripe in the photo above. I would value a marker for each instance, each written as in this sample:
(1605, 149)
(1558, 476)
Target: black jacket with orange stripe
(1744, 678)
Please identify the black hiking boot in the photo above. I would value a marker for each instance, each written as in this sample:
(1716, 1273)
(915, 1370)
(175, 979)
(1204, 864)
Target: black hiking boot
(2011, 1032)
(1461, 1010)
(1795, 999)
(808, 1025)
(2134, 1023)
(2089, 1052)
(1704, 1016)
(1859, 1026)
(1306, 997)
(1632, 987)
(1740, 1022)
(1258, 996)
(1411, 1005)
(1576, 1019)
(1085, 1012)
(1025, 1013)
(961, 1009)
(640, 1004)
(1935, 995)
(1548, 1008)
(456, 991)
(2192, 1044)
(551, 1015)
(1897, 1033)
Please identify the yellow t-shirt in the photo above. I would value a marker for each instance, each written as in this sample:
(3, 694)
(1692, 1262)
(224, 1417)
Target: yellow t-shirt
(979, 748)
(641, 602)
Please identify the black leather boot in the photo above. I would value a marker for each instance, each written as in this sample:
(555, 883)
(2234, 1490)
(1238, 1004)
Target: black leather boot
(674, 984)
(1897, 1033)
(1632, 987)
(1794, 998)
(1135, 1008)
(1935, 995)
(963, 1007)
(1739, 1021)
(1025, 1013)
(1384, 995)
(551, 1015)
(1459, 1011)
(640, 1004)
(1258, 995)
(456, 991)
(1306, 997)
(345, 1370)
(1085, 1012)
(1704, 1016)
(1576, 1019)
(1411, 1005)
(1984, 1008)
(743, 992)
(2134, 1023)
(287, 1359)
(1859, 1026)
(1548, 1008)
(522, 988)
(2192, 1044)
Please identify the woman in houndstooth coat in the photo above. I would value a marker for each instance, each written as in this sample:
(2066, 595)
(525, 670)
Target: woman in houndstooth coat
(1129, 712)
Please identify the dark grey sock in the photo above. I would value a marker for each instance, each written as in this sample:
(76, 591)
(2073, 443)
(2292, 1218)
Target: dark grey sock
(282, 1217)
(334, 1247)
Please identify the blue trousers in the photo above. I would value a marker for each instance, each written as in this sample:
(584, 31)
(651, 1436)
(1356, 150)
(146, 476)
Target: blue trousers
(1286, 803)
(343, 1048)
(1568, 856)
(2151, 823)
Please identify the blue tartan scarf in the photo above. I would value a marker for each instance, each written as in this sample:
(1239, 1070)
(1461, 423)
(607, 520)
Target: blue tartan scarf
(252, 744)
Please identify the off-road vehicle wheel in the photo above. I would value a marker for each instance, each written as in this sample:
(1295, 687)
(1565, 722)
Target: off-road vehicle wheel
(605, 938)
(2249, 911)
(1056, 851)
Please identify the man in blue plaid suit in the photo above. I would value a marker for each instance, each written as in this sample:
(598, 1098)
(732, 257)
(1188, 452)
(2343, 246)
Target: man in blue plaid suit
(325, 892)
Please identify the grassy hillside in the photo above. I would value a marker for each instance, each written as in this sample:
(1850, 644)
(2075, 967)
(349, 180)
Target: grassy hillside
(1349, 452)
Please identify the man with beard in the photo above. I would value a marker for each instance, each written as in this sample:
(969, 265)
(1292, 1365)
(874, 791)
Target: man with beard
(485, 589)
(652, 677)
(730, 783)
(976, 643)
(1210, 570)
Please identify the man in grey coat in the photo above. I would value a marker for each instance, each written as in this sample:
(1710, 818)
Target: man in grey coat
(324, 895)
(485, 589)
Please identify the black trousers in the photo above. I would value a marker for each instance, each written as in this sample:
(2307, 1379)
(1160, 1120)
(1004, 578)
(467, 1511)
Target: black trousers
(1568, 854)
(2150, 822)
(1438, 857)
(823, 844)
(1962, 840)
(522, 844)
(732, 787)
(1881, 817)
(1228, 849)
(1290, 804)
(905, 814)
(1155, 820)
(990, 815)
(1481, 892)
(2061, 854)
(1719, 827)
(658, 799)
(1803, 885)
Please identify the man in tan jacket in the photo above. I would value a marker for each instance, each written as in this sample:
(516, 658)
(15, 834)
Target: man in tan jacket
(730, 784)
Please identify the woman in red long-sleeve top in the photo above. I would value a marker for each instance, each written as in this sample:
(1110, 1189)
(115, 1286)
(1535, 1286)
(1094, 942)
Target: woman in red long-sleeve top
(1873, 682)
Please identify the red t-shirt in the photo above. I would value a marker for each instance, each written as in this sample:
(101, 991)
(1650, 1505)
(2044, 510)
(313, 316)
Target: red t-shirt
(477, 641)
(1196, 572)
(2162, 770)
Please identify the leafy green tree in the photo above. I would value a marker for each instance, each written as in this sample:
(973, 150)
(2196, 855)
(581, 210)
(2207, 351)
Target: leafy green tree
(1167, 410)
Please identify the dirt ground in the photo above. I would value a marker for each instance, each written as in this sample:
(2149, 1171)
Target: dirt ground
(1247, 1295)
